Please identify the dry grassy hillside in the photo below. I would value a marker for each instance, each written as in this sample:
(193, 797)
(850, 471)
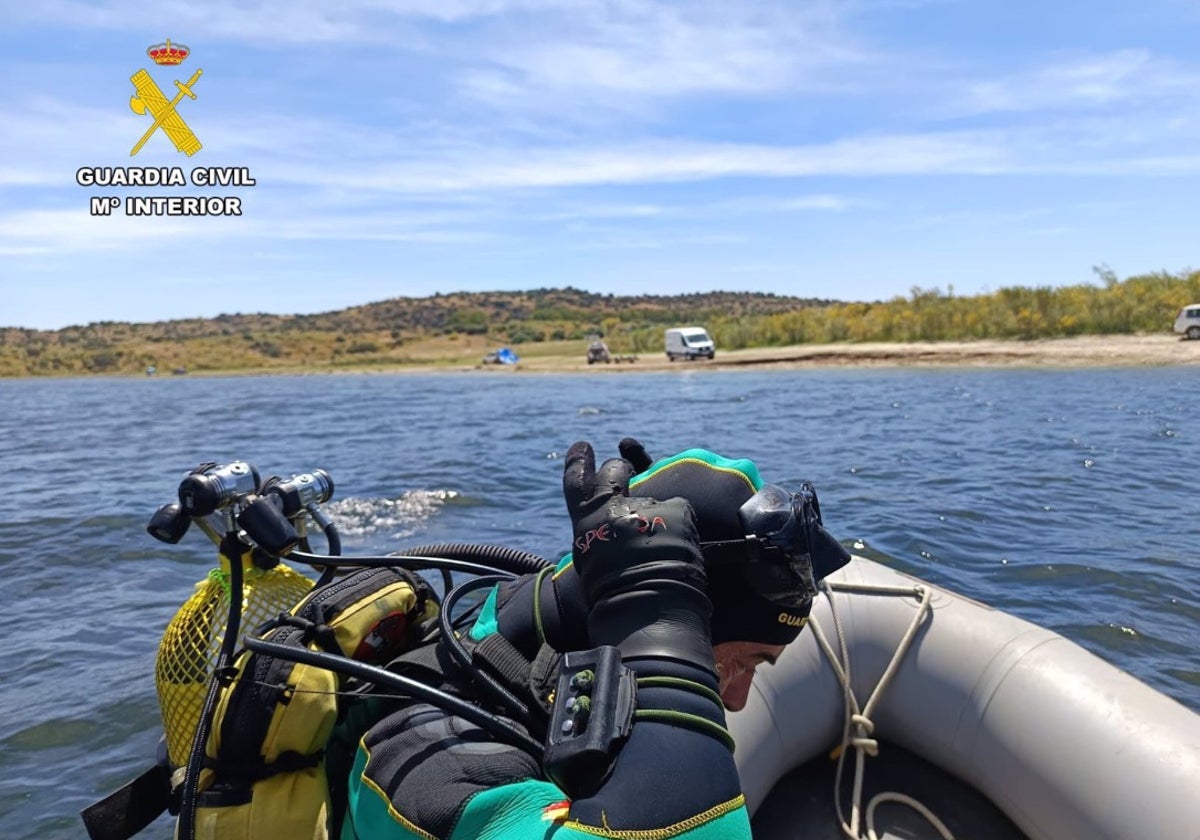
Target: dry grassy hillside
(452, 329)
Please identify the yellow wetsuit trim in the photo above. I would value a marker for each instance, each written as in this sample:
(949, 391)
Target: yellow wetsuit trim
(569, 564)
(661, 833)
(392, 812)
(652, 472)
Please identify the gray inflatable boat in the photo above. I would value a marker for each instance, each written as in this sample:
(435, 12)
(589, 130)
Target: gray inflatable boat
(957, 721)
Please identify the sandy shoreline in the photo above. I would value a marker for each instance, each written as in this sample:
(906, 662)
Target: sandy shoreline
(1114, 351)
(1156, 350)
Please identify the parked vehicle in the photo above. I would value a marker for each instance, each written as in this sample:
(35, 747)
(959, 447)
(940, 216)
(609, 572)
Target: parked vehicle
(689, 343)
(598, 352)
(1187, 322)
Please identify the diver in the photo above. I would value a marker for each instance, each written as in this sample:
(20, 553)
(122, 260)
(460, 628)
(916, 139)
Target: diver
(684, 576)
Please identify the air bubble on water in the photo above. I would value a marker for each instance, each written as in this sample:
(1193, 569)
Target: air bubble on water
(1047, 508)
(941, 518)
(1003, 561)
(859, 545)
(588, 410)
(399, 517)
(1088, 463)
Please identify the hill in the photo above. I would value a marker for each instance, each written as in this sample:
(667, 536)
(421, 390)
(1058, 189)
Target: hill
(457, 329)
(452, 327)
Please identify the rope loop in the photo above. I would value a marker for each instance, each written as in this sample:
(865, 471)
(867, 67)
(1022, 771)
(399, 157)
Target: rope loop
(864, 723)
(862, 740)
(868, 745)
(857, 726)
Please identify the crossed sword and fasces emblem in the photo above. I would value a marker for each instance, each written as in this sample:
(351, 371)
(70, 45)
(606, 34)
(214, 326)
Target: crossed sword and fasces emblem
(150, 98)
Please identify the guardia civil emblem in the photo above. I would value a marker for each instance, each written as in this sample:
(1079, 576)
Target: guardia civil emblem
(149, 99)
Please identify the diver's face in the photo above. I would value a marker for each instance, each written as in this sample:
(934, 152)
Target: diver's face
(736, 662)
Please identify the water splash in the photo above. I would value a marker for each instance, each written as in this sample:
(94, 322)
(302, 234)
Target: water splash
(397, 518)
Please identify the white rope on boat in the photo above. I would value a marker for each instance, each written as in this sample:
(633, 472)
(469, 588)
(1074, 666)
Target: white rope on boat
(858, 727)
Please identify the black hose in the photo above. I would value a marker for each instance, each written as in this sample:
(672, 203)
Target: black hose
(332, 538)
(500, 556)
(502, 729)
(232, 550)
(335, 540)
(408, 561)
(460, 655)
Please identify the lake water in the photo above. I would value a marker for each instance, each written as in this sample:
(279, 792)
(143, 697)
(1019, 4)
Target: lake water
(1066, 497)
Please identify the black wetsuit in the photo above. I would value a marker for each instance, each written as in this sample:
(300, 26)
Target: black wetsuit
(423, 773)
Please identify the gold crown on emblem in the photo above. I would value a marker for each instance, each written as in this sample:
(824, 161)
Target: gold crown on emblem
(168, 54)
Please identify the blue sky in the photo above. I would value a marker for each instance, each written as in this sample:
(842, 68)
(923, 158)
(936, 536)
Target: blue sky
(848, 150)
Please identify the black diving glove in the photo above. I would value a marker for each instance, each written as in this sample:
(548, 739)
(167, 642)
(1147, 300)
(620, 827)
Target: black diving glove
(639, 562)
(631, 450)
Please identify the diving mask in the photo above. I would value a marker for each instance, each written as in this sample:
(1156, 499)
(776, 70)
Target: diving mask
(788, 548)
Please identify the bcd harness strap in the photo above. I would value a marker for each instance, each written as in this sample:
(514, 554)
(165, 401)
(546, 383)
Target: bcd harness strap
(532, 681)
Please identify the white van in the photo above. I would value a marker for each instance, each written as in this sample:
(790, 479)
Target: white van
(689, 343)
(1187, 322)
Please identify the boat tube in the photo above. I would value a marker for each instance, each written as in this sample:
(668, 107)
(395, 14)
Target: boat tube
(1062, 743)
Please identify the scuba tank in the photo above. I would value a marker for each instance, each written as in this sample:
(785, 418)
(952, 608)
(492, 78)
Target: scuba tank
(243, 753)
(221, 500)
(187, 656)
(253, 524)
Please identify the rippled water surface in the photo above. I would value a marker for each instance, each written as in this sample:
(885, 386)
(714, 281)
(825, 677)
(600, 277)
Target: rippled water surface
(1066, 497)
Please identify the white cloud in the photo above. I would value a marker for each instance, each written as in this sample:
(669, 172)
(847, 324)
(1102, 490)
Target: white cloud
(44, 231)
(667, 162)
(40, 127)
(1091, 81)
(20, 176)
(503, 121)
(518, 52)
(663, 53)
(285, 22)
(74, 230)
(723, 208)
(621, 60)
(264, 23)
